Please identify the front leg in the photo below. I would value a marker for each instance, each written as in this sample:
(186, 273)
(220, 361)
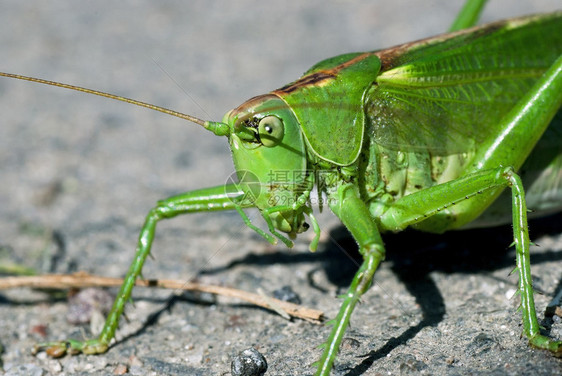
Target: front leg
(209, 199)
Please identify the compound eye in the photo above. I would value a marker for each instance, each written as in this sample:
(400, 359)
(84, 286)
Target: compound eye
(271, 131)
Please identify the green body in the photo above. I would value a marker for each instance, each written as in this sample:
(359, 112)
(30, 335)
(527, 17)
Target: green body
(447, 95)
(426, 109)
(427, 134)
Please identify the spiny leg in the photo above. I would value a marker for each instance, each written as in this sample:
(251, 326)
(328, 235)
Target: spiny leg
(427, 208)
(471, 193)
(417, 207)
(209, 199)
(531, 325)
(354, 214)
(521, 128)
(373, 255)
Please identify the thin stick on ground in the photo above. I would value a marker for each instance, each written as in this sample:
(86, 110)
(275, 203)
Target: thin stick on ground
(82, 279)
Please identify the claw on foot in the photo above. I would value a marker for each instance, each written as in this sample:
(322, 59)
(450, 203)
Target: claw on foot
(72, 347)
(545, 343)
(53, 349)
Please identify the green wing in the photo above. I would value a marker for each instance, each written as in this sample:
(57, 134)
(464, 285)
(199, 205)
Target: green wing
(446, 94)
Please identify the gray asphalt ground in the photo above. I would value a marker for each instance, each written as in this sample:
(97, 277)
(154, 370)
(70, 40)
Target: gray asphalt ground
(78, 173)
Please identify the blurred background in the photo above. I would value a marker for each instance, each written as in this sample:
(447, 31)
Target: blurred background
(79, 173)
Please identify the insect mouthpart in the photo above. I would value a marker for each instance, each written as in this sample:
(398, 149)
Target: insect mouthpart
(290, 222)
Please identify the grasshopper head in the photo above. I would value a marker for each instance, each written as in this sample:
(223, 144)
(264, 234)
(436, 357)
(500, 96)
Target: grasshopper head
(270, 159)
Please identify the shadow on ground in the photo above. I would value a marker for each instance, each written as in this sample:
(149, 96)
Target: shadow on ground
(413, 256)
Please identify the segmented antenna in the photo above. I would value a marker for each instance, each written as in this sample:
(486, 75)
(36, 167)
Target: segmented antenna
(218, 128)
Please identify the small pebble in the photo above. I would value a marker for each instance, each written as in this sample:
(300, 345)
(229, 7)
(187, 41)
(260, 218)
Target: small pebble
(410, 365)
(349, 343)
(82, 305)
(40, 330)
(121, 369)
(248, 363)
(287, 294)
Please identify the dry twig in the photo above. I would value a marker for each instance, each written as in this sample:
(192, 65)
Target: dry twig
(82, 279)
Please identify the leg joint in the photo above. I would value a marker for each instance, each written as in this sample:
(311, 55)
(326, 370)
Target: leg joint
(374, 250)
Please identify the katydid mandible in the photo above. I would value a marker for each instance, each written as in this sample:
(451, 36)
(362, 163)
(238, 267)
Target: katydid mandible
(430, 133)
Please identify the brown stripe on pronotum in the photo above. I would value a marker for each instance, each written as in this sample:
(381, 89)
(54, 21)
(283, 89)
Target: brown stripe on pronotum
(320, 77)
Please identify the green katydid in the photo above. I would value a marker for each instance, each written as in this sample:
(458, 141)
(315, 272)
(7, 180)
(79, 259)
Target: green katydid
(471, 176)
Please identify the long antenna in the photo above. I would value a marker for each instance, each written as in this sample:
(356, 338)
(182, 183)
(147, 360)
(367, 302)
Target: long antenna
(220, 129)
